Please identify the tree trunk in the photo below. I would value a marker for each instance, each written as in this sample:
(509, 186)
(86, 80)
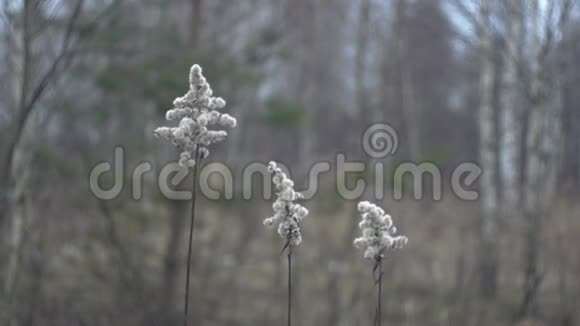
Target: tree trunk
(511, 106)
(307, 135)
(19, 221)
(13, 200)
(488, 160)
(363, 116)
(196, 7)
(532, 206)
(544, 147)
(360, 65)
(21, 85)
(407, 88)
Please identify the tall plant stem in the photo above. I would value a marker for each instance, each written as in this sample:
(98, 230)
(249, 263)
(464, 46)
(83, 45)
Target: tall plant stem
(379, 284)
(289, 285)
(379, 292)
(193, 192)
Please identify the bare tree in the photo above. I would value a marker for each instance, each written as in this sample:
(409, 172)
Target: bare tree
(542, 141)
(408, 97)
(360, 63)
(511, 107)
(34, 86)
(488, 159)
(26, 95)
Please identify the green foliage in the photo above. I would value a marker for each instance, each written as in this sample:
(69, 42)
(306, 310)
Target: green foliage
(111, 80)
(166, 74)
(243, 78)
(284, 113)
(438, 157)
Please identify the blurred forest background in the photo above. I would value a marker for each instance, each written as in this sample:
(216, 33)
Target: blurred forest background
(494, 82)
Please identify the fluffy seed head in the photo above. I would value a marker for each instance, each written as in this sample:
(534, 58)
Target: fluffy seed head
(288, 213)
(378, 232)
(196, 111)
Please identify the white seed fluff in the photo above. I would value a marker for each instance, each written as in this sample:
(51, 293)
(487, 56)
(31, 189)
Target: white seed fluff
(287, 213)
(195, 111)
(378, 232)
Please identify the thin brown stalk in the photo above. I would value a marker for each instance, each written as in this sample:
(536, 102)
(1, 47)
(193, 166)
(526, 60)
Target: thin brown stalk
(378, 280)
(187, 276)
(289, 285)
(379, 292)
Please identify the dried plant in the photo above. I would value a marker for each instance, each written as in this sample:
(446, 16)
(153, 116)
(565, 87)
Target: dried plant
(287, 216)
(196, 111)
(378, 237)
